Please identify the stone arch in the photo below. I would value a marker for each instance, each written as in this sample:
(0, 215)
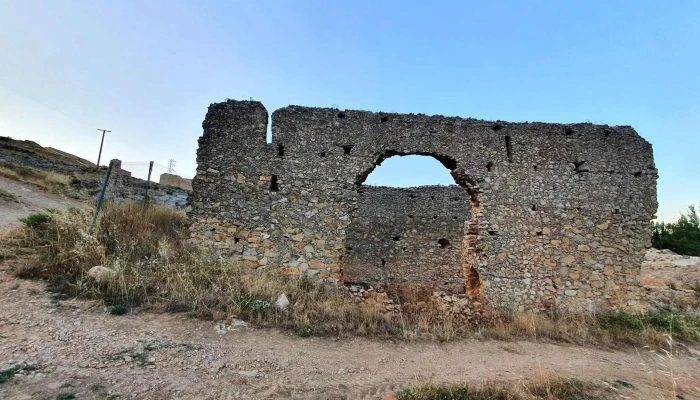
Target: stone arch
(468, 259)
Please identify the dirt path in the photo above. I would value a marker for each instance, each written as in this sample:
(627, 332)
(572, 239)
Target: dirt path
(77, 347)
(30, 199)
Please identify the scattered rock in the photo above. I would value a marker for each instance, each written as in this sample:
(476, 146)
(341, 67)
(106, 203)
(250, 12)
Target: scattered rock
(249, 374)
(282, 302)
(217, 366)
(221, 328)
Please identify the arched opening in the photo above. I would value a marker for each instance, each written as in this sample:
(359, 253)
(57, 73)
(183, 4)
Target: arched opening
(413, 226)
(409, 171)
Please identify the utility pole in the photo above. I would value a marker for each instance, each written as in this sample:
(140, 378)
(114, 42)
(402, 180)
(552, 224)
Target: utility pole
(171, 166)
(101, 143)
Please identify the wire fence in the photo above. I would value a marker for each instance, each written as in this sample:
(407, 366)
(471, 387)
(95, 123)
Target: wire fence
(139, 169)
(122, 186)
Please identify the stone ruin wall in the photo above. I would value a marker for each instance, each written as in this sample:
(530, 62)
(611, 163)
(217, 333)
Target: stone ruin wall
(407, 237)
(559, 214)
(175, 181)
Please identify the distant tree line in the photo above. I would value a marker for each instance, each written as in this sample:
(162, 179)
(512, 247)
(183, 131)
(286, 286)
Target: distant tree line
(681, 237)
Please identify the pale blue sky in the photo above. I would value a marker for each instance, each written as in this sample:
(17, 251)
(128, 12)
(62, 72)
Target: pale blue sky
(148, 70)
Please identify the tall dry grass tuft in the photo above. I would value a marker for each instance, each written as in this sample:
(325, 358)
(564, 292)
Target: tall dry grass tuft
(154, 267)
(63, 247)
(539, 386)
(133, 232)
(603, 329)
(7, 196)
(51, 181)
(9, 173)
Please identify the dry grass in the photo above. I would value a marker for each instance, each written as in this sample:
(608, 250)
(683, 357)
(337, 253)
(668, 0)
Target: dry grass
(155, 268)
(9, 173)
(537, 387)
(7, 196)
(604, 330)
(50, 181)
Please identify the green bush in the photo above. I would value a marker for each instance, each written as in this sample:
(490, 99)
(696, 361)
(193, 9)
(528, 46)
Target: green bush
(36, 220)
(305, 331)
(9, 373)
(258, 306)
(118, 309)
(681, 237)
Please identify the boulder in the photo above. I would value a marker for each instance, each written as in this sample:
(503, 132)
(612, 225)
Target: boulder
(282, 302)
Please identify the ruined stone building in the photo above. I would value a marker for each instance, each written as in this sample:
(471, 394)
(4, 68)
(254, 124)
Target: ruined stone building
(177, 181)
(543, 215)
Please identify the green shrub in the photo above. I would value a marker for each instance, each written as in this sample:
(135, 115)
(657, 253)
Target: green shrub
(7, 374)
(36, 220)
(681, 237)
(118, 309)
(305, 331)
(256, 306)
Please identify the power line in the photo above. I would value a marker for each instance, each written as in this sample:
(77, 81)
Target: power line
(171, 166)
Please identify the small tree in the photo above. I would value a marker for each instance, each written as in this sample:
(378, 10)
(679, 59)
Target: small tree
(681, 237)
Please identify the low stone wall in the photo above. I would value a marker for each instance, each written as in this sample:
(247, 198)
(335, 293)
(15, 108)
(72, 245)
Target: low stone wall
(407, 236)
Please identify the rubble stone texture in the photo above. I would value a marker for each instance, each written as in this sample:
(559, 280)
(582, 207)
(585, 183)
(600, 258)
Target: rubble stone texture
(672, 280)
(411, 236)
(556, 215)
(177, 181)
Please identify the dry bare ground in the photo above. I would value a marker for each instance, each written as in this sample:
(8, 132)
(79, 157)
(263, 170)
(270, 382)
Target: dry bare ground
(78, 348)
(28, 199)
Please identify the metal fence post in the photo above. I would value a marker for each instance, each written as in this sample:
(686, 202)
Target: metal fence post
(102, 197)
(148, 182)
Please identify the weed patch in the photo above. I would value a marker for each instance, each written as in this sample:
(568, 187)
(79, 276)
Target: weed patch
(551, 388)
(7, 196)
(7, 374)
(305, 330)
(50, 181)
(119, 309)
(681, 326)
(34, 221)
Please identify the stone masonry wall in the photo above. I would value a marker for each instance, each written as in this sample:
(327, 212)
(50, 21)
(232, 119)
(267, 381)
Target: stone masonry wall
(410, 236)
(175, 181)
(560, 214)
